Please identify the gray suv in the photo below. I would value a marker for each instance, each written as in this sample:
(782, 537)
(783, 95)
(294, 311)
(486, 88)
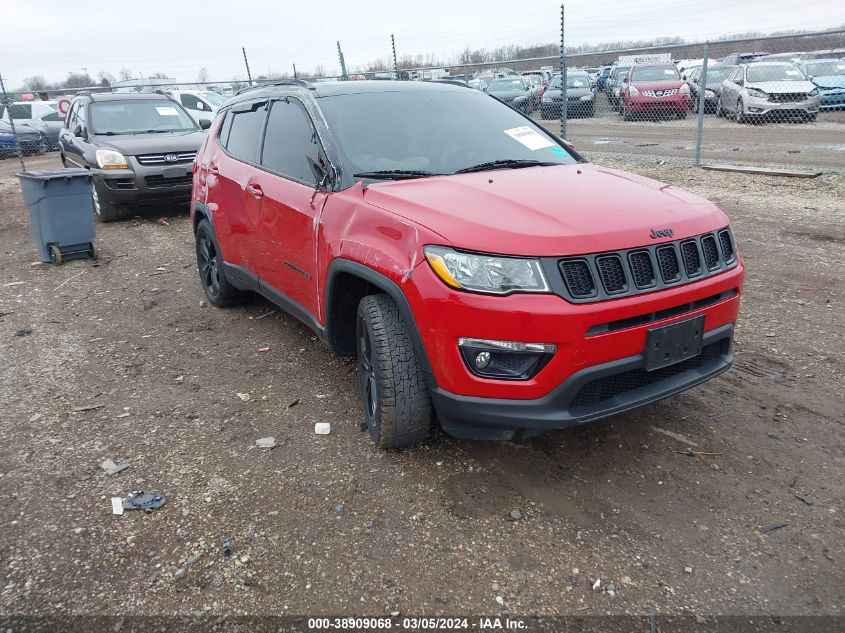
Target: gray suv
(775, 91)
(139, 147)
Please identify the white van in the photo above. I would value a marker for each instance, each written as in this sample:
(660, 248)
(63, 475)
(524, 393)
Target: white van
(200, 104)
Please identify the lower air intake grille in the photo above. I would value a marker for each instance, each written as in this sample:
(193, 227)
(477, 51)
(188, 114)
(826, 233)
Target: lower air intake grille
(667, 260)
(578, 278)
(601, 389)
(612, 274)
(692, 260)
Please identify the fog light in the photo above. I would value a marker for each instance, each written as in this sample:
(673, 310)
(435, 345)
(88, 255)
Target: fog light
(505, 359)
(482, 360)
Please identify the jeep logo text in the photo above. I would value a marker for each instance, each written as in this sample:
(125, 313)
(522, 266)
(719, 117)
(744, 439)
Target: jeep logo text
(655, 233)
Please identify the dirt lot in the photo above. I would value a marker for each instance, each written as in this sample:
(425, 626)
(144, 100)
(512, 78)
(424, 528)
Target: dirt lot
(329, 524)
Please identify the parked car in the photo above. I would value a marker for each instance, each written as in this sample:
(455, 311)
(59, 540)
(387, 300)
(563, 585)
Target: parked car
(613, 86)
(780, 57)
(473, 285)
(774, 91)
(603, 76)
(653, 89)
(538, 85)
(715, 76)
(40, 115)
(480, 82)
(829, 77)
(140, 148)
(200, 104)
(685, 66)
(581, 96)
(742, 58)
(30, 140)
(516, 91)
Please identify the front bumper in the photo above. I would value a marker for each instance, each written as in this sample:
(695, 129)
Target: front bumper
(832, 100)
(143, 183)
(590, 394)
(756, 106)
(590, 338)
(641, 104)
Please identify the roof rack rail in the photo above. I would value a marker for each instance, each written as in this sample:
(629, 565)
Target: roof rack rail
(276, 82)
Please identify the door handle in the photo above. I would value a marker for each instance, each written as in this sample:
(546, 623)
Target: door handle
(255, 191)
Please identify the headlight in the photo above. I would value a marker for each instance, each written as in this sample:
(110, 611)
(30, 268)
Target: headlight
(489, 274)
(709, 93)
(754, 92)
(110, 159)
(814, 92)
(684, 89)
(587, 98)
(633, 91)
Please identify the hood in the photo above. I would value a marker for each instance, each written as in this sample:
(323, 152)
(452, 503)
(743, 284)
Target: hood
(829, 81)
(570, 92)
(547, 211)
(133, 144)
(657, 85)
(21, 129)
(782, 87)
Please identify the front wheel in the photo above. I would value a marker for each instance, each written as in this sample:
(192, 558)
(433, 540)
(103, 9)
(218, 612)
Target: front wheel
(104, 209)
(740, 114)
(397, 405)
(720, 111)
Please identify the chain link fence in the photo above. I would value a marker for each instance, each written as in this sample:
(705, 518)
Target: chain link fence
(762, 100)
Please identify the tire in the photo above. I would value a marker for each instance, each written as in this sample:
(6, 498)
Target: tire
(63, 159)
(55, 255)
(720, 111)
(810, 118)
(219, 292)
(93, 253)
(104, 209)
(397, 405)
(740, 115)
(694, 106)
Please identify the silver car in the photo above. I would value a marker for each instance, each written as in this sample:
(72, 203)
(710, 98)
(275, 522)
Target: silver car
(775, 91)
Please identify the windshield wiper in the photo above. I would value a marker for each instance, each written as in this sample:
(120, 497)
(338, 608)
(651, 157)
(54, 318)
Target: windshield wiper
(395, 174)
(508, 163)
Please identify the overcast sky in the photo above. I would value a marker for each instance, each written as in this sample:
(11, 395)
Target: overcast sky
(178, 37)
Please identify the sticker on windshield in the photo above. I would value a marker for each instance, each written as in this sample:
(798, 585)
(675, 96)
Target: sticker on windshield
(532, 139)
(793, 73)
(166, 111)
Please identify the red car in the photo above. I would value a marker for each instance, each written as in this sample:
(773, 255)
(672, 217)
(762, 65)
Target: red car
(460, 253)
(651, 89)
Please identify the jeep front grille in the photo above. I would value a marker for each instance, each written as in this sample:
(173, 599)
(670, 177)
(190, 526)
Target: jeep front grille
(602, 276)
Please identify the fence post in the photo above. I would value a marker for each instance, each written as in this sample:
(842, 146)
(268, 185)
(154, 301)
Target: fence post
(12, 123)
(562, 79)
(248, 74)
(702, 105)
(395, 65)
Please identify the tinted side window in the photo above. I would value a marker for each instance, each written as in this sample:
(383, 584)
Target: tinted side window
(290, 143)
(223, 134)
(20, 111)
(71, 116)
(243, 135)
(190, 102)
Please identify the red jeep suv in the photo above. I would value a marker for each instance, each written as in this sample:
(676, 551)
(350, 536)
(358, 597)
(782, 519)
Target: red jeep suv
(653, 89)
(460, 253)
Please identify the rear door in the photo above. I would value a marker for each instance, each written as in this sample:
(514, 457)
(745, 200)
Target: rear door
(290, 204)
(232, 163)
(73, 146)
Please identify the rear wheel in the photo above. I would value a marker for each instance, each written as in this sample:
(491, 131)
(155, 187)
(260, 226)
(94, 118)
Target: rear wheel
(397, 405)
(720, 111)
(218, 290)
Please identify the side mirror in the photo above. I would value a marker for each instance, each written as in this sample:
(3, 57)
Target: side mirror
(738, 81)
(684, 77)
(78, 132)
(205, 124)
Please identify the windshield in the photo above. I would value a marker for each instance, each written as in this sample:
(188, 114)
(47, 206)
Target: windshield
(620, 71)
(132, 117)
(436, 131)
(213, 98)
(555, 83)
(822, 69)
(605, 72)
(655, 73)
(719, 74)
(506, 84)
(576, 81)
(764, 72)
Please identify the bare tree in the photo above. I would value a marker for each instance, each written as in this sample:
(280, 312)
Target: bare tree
(202, 75)
(106, 78)
(36, 83)
(158, 76)
(78, 80)
(319, 71)
(125, 74)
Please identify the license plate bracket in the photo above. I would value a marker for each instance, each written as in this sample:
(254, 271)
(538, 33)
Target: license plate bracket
(675, 343)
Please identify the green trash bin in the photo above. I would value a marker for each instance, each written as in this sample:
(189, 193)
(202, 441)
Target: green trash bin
(61, 213)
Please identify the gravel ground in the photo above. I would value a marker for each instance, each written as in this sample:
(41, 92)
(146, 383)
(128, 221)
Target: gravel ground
(611, 518)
